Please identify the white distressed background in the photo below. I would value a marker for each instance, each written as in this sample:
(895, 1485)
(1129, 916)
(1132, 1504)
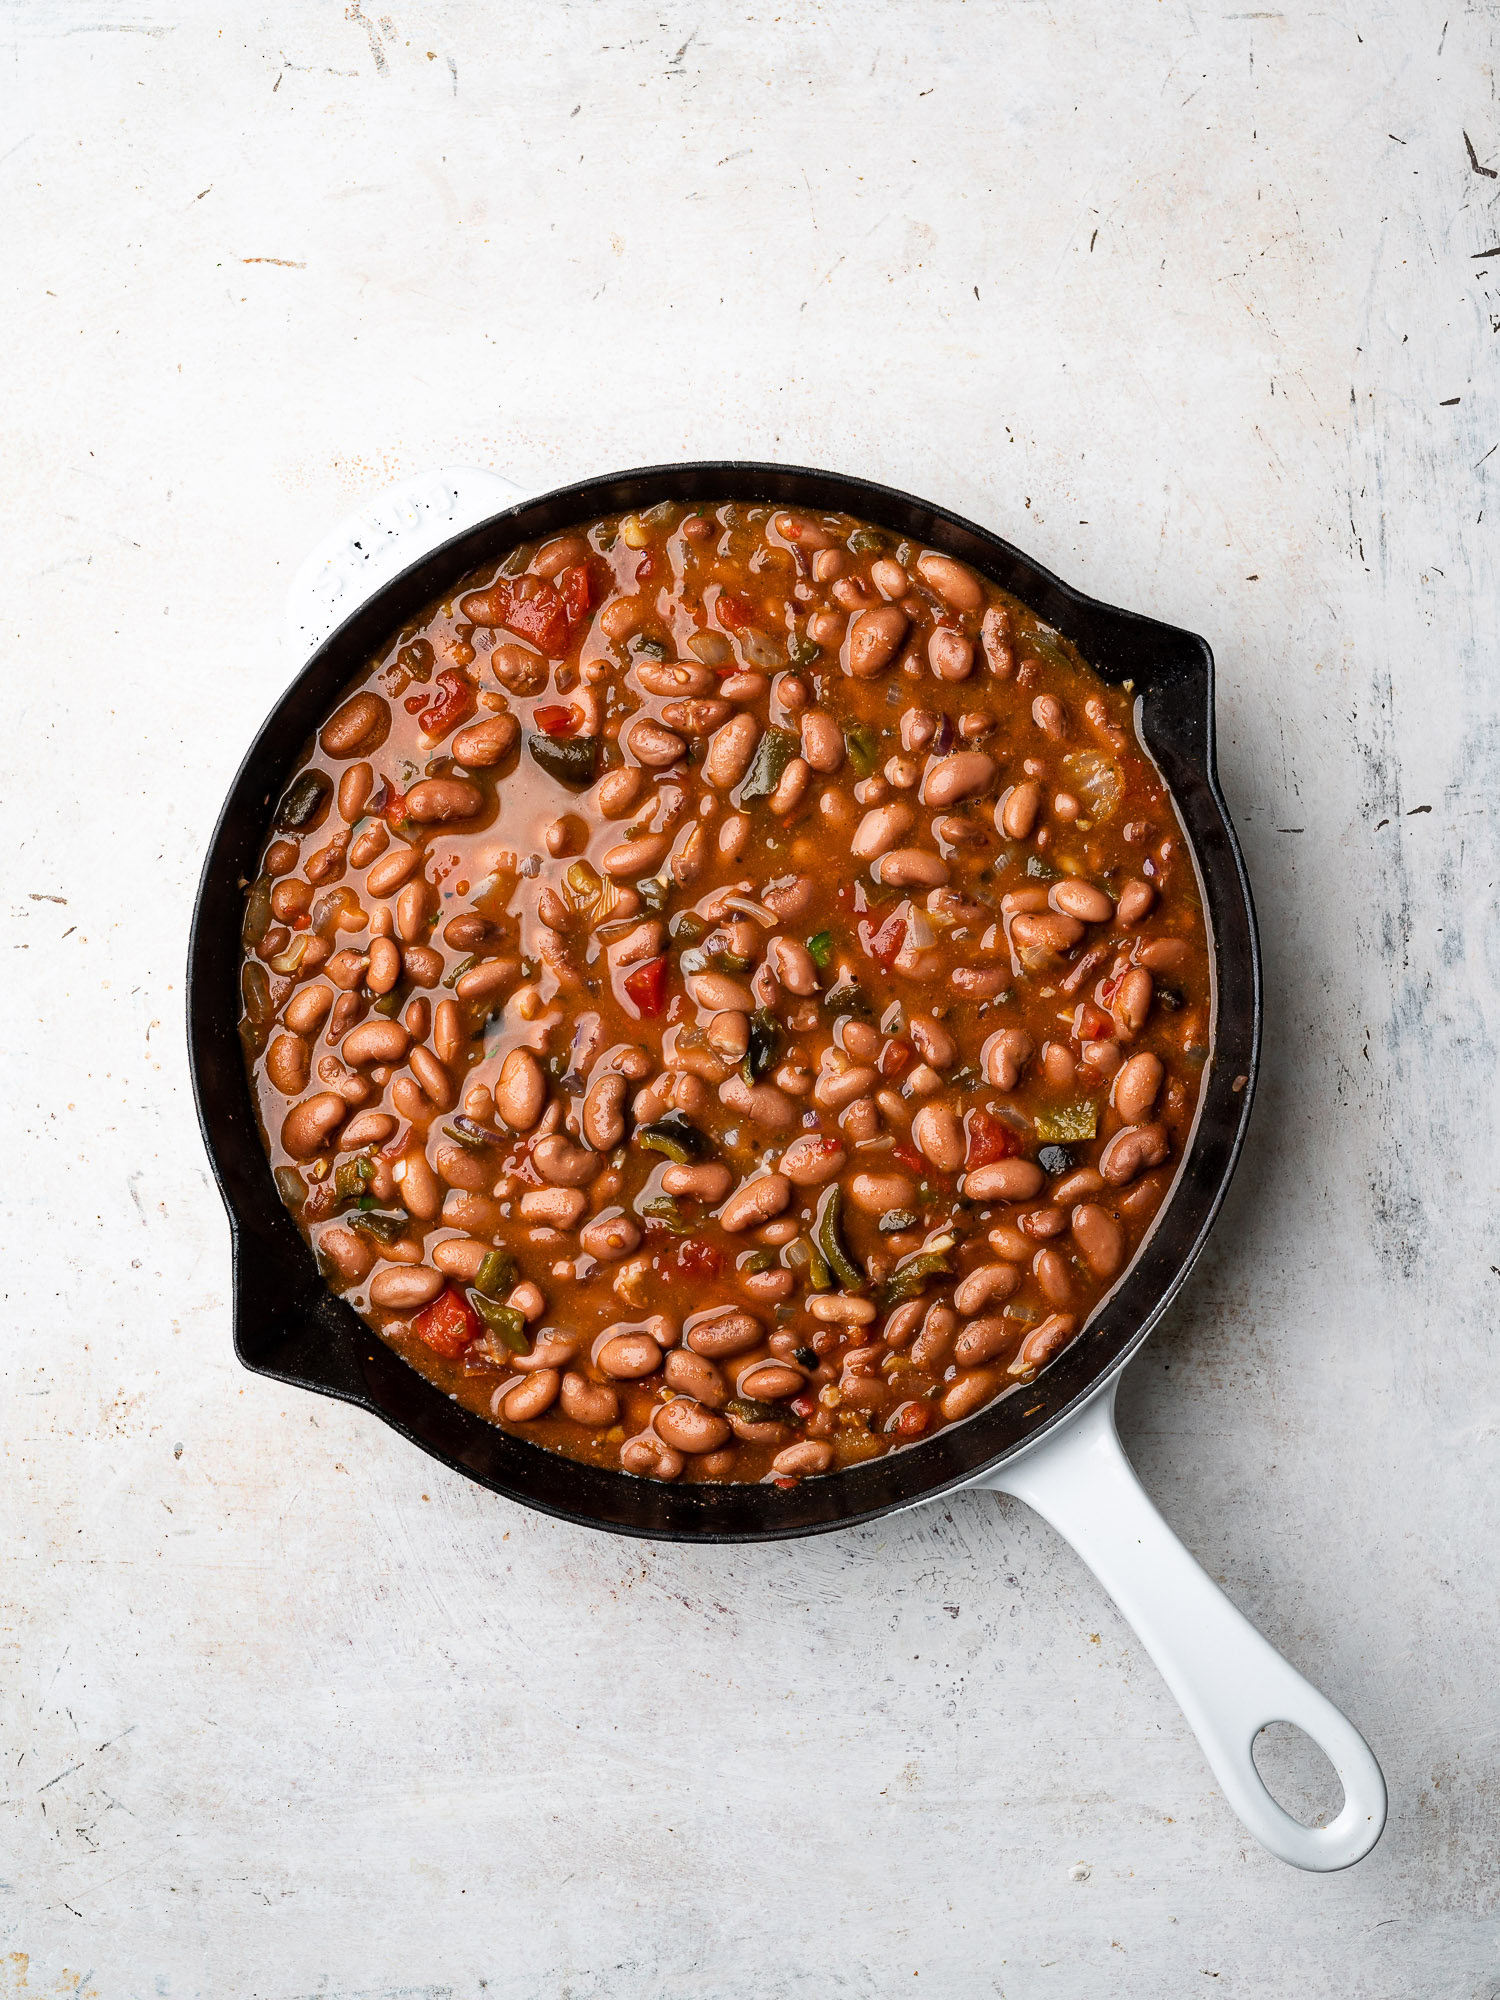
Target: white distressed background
(1192, 302)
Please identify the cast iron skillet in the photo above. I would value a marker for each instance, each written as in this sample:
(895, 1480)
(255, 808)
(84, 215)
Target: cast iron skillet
(289, 1326)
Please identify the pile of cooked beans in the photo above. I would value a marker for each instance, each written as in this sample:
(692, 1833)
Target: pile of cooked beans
(726, 992)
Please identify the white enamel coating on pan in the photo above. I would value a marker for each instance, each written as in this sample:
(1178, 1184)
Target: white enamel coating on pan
(1229, 1681)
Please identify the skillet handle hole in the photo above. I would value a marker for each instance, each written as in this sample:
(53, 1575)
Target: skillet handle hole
(1297, 1774)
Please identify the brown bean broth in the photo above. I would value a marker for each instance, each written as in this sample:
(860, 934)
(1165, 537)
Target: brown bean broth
(750, 582)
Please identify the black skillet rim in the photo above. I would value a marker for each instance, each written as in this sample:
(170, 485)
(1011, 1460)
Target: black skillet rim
(290, 1327)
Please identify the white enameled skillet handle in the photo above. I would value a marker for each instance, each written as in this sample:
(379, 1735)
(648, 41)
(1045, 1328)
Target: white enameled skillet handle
(1229, 1681)
(392, 530)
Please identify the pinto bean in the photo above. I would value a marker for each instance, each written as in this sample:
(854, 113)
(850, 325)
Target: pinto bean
(1041, 1344)
(771, 1381)
(421, 1193)
(879, 831)
(762, 1103)
(384, 967)
(306, 1011)
(474, 1214)
(554, 1349)
(902, 1323)
(794, 965)
(733, 834)
(355, 788)
(982, 1340)
(709, 1182)
(586, 1402)
(1016, 813)
(987, 1286)
(1127, 1154)
(557, 1207)
(841, 1309)
(433, 1078)
(874, 637)
(349, 1253)
(720, 992)
(564, 553)
(1082, 900)
(289, 1064)
(610, 1236)
(995, 635)
(724, 1335)
(801, 532)
(790, 898)
(836, 1088)
(1100, 1239)
(392, 869)
(486, 743)
(401, 1287)
(911, 868)
(652, 745)
(562, 1164)
(696, 718)
(1137, 900)
(448, 1037)
(961, 776)
(483, 982)
(618, 791)
(950, 655)
(729, 752)
(309, 1126)
(958, 587)
(791, 788)
(1136, 1086)
(460, 1257)
(937, 1132)
(621, 617)
(1050, 1269)
(688, 1427)
(803, 1460)
(1169, 955)
(604, 1111)
(754, 1203)
(1003, 1180)
(1048, 931)
(691, 1375)
(347, 969)
(934, 1344)
(636, 857)
(932, 1042)
(812, 1160)
(521, 1090)
(1059, 1065)
(414, 905)
(666, 680)
(629, 1356)
(873, 1194)
(367, 1128)
(822, 741)
(533, 1397)
(376, 1042)
(435, 799)
(649, 1457)
(361, 724)
(968, 1393)
(1005, 1055)
(1132, 1002)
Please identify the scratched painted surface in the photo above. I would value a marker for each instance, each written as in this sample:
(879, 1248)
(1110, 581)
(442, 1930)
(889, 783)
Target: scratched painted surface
(1200, 308)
